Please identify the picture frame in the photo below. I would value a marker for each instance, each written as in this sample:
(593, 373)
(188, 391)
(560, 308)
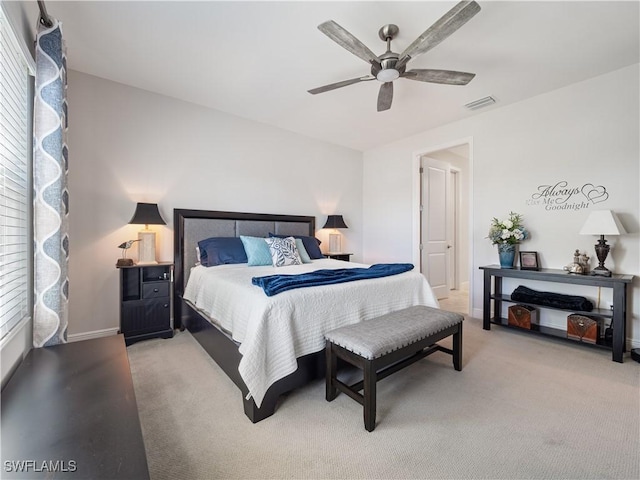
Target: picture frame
(529, 261)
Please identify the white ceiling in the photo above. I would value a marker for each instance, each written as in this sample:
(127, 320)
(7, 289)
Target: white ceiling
(258, 59)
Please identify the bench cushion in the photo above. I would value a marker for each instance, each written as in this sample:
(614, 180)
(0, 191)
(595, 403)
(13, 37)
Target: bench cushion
(379, 336)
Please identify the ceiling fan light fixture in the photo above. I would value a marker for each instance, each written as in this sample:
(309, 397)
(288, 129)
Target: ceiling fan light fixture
(388, 75)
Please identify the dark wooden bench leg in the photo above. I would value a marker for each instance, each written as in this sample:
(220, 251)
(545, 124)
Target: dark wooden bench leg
(331, 390)
(369, 396)
(457, 349)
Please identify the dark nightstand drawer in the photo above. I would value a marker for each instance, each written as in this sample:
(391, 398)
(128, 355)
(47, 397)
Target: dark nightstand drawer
(145, 316)
(155, 290)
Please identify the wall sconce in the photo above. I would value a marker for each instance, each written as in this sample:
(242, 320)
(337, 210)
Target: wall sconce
(335, 222)
(147, 214)
(602, 222)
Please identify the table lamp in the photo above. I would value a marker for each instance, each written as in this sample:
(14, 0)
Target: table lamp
(602, 222)
(147, 214)
(335, 222)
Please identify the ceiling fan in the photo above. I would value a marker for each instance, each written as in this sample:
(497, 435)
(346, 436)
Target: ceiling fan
(389, 66)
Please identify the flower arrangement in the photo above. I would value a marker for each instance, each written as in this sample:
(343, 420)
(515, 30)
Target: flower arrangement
(509, 231)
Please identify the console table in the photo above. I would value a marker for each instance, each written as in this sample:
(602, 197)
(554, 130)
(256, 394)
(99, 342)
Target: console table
(617, 282)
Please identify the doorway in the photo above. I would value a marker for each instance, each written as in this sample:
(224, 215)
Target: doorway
(444, 213)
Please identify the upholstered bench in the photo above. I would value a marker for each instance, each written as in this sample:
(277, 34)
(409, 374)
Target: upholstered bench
(386, 344)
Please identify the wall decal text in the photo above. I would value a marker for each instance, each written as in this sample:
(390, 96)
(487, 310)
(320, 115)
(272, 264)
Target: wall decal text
(563, 196)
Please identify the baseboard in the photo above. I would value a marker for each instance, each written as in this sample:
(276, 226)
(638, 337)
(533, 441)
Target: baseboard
(77, 337)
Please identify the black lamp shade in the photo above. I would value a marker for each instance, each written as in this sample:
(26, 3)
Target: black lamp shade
(335, 221)
(147, 214)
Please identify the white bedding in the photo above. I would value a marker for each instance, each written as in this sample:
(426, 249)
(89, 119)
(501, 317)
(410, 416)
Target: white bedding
(274, 331)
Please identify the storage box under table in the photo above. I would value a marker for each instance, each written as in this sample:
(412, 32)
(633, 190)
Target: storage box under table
(522, 316)
(583, 328)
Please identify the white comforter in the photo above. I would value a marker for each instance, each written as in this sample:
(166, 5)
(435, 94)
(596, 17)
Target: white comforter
(274, 331)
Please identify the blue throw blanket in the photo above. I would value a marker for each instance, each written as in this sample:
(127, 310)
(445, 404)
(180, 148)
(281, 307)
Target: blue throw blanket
(274, 284)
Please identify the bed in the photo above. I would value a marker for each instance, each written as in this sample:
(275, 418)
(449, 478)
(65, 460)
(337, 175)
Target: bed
(271, 345)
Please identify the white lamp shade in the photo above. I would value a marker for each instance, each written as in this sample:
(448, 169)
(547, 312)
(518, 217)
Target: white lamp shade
(602, 222)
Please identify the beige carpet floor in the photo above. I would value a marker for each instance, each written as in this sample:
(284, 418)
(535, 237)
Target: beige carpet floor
(522, 407)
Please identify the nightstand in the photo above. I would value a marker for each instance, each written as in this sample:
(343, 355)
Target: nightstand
(145, 301)
(339, 256)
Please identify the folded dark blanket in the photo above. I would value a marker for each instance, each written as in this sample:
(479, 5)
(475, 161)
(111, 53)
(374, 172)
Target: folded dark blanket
(548, 299)
(274, 284)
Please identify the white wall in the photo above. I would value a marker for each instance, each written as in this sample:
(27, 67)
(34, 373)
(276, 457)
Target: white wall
(585, 133)
(128, 145)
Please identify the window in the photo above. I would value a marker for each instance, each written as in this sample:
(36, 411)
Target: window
(15, 184)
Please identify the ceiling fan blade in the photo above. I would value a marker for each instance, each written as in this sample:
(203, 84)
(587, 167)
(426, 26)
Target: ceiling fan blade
(343, 83)
(447, 77)
(436, 33)
(347, 41)
(385, 96)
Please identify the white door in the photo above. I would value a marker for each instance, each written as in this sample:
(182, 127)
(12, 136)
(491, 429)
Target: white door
(435, 229)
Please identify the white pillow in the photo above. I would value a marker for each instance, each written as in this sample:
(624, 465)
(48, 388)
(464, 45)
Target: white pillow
(283, 251)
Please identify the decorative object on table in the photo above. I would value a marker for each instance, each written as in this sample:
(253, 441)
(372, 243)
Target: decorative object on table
(147, 214)
(529, 261)
(602, 222)
(608, 335)
(583, 328)
(124, 261)
(335, 222)
(522, 316)
(507, 234)
(575, 267)
(584, 261)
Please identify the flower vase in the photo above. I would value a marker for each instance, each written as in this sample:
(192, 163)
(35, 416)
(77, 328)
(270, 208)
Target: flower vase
(507, 254)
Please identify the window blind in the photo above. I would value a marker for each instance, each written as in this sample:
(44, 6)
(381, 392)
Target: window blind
(14, 181)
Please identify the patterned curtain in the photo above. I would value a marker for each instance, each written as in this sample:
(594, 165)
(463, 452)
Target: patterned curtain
(51, 197)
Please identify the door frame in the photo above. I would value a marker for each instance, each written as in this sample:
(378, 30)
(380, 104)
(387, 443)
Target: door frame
(417, 214)
(454, 260)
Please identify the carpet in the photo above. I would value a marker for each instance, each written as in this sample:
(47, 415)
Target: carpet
(522, 407)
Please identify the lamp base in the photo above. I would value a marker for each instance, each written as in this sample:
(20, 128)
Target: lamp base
(601, 272)
(147, 248)
(602, 250)
(334, 243)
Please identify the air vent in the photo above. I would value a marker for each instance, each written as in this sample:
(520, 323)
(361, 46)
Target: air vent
(480, 103)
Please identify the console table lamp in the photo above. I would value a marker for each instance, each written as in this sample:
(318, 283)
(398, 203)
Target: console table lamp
(147, 214)
(602, 222)
(335, 222)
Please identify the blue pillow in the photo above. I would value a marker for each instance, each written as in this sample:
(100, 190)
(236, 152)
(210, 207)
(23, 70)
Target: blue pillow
(311, 244)
(257, 251)
(221, 251)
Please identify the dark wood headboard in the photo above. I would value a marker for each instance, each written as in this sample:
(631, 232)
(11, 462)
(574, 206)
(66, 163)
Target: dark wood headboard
(191, 226)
